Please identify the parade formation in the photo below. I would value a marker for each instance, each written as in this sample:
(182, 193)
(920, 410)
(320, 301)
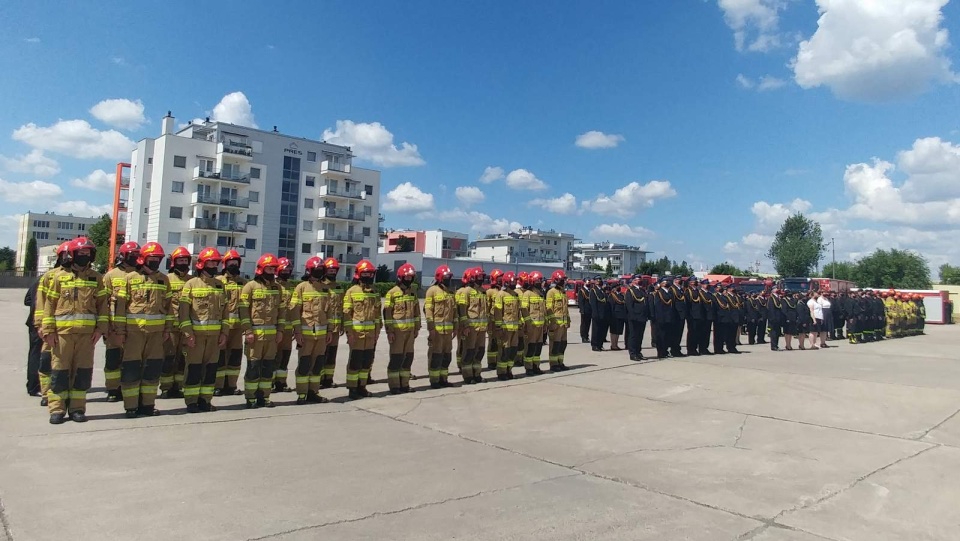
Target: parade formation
(184, 333)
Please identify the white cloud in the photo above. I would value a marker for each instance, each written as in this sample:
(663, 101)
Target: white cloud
(76, 138)
(521, 179)
(755, 23)
(235, 108)
(491, 174)
(479, 222)
(469, 195)
(37, 190)
(628, 200)
(373, 142)
(565, 204)
(97, 180)
(598, 139)
(616, 231)
(32, 40)
(933, 169)
(408, 198)
(875, 50)
(82, 208)
(119, 113)
(34, 163)
(765, 83)
(770, 217)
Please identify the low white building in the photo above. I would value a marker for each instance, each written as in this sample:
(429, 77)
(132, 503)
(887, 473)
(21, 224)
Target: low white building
(50, 230)
(623, 259)
(228, 186)
(439, 243)
(526, 246)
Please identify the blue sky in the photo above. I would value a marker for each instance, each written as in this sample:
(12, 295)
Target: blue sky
(701, 124)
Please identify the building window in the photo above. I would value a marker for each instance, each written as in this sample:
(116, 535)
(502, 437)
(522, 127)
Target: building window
(289, 208)
(149, 161)
(308, 225)
(305, 248)
(173, 238)
(254, 172)
(176, 213)
(252, 219)
(64, 225)
(41, 223)
(254, 197)
(367, 210)
(81, 227)
(365, 252)
(369, 189)
(311, 156)
(311, 180)
(147, 185)
(307, 203)
(366, 231)
(41, 235)
(176, 186)
(180, 161)
(250, 244)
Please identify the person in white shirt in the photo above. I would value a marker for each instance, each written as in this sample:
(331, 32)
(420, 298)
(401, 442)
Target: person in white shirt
(827, 329)
(816, 314)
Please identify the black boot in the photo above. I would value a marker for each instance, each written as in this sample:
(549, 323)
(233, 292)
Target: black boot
(130, 413)
(193, 408)
(218, 392)
(114, 396)
(57, 418)
(252, 404)
(43, 401)
(503, 377)
(147, 411)
(315, 398)
(78, 417)
(435, 385)
(175, 392)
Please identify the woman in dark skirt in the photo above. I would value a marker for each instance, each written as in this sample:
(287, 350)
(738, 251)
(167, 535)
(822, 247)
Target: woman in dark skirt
(618, 309)
(789, 308)
(804, 321)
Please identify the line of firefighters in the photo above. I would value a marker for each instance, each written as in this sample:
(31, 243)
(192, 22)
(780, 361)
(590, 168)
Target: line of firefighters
(184, 332)
(673, 303)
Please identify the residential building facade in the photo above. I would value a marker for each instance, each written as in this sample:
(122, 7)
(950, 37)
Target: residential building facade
(623, 259)
(233, 187)
(439, 243)
(527, 245)
(49, 230)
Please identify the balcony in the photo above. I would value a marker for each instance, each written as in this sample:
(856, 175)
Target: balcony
(327, 191)
(196, 248)
(351, 238)
(334, 169)
(236, 149)
(341, 214)
(217, 175)
(235, 202)
(216, 225)
(350, 259)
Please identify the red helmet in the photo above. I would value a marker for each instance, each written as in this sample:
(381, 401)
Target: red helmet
(150, 249)
(522, 278)
(63, 248)
(283, 264)
(180, 252)
(331, 264)
(82, 243)
(496, 277)
(230, 256)
(558, 276)
(467, 276)
(535, 277)
(363, 267)
(509, 279)
(479, 275)
(208, 254)
(128, 248)
(443, 272)
(265, 261)
(315, 263)
(406, 271)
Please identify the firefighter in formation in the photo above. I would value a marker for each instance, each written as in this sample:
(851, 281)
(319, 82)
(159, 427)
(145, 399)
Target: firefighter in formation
(905, 313)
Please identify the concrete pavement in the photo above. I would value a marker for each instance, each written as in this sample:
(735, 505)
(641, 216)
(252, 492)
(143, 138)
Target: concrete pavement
(859, 442)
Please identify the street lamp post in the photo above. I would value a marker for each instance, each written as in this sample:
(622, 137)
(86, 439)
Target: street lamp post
(833, 266)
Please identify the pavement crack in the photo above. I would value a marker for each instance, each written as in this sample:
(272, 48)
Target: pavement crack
(851, 485)
(736, 442)
(647, 450)
(423, 505)
(938, 425)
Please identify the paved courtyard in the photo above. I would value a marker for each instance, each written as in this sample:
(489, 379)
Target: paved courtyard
(851, 443)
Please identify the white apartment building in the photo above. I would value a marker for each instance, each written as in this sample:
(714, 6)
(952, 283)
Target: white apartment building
(49, 230)
(526, 246)
(623, 259)
(228, 186)
(438, 243)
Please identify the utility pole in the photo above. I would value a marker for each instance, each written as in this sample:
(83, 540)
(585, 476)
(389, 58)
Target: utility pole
(833, 267)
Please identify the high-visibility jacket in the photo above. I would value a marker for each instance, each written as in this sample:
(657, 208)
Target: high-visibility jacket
(115, 280)
(506, 310)
(558, 311)
(42, 286)
(177, 281)
(203, 306)
(260, 308)
(532, 308)
(471, 308)
(76, 302)
(311, 307)
(401, 310)
(440, 309)
(232, 286)
(286, 295)
(362, 310)
(143, 303)
(335, 315)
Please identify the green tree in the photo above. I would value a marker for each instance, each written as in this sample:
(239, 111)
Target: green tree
(683, 269)
(841, 270)
(383, 274)
(797, 247)
(608, 271)
(726, 268)
(898, 269)
(8, 258)
(405, 244)
(949, 274)
(659, 267)
(99, 235)
(30, 256)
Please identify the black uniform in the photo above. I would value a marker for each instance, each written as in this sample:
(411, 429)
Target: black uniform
(775, 320)
(697, 314)
(680, 306)
(618, 311)
(601, 317)
(36, 344)
(665, 316)
(638, 312)
(586, 312)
